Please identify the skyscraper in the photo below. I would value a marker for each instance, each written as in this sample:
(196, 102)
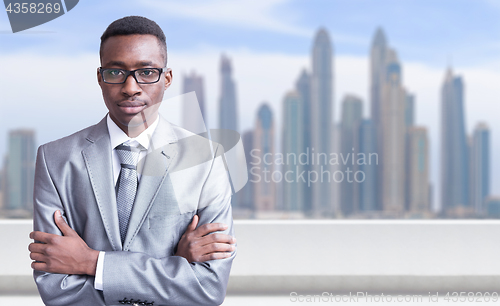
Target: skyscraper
(378, 71)
(480, 168)
(366, 191)
(265, 189)
(20, 171)
(419, 169)
(409, 122)
(454, 150)
(352, 113)
(392, 129)
(245, 196)
(303, 87)
(228, 110)
(493, 207)
(193, 114)
(292, 140)
(321, 119)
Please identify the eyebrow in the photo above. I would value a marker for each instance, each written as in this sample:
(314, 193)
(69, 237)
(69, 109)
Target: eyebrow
(122, 64)
(115, 63)
(146, 63)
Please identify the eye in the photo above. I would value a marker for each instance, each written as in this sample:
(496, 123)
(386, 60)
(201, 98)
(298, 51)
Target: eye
(147, 72)
(115, 72)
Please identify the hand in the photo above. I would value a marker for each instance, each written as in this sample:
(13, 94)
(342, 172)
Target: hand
(67, 254)
(196, 245)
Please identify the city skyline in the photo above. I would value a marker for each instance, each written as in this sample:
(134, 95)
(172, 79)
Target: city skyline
(403, 106)
(419, 72)
(404, 171)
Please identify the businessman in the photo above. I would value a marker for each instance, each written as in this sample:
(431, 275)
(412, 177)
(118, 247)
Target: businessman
(132, 210)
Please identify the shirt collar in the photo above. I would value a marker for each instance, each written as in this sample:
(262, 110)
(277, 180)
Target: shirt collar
(117, 136)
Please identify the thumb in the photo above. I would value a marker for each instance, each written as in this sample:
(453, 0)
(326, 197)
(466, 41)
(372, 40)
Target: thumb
(193, 224)
(62, 225)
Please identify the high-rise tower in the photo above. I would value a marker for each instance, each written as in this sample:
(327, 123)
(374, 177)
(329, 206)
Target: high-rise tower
(228, 110)
(352, 114)
(303, 88)
(480, 168)
(245, 196)
(292, 147)
(418, 161)
(392, 131)
(321, 119)
(366, 191)
(409, 123)
(20, 171)
(454, 151)
(194, 118)
(378, 71)
(263, 143)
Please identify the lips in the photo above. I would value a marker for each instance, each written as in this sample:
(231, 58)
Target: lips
(131, 107)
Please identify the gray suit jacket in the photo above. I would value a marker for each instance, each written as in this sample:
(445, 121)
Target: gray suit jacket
(182, 175)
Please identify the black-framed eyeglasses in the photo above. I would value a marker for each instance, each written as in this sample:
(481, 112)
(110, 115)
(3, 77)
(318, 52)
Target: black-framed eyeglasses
(141, 76)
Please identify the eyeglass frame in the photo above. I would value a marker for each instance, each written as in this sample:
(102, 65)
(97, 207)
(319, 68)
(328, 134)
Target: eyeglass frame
(132, 73)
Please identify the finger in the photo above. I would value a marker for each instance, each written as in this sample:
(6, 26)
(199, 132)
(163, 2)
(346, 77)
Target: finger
(37, 248)
(214, 256)
(217, 238)
(41, 236)
(193, 224)
(38, 257)
(39, 266)
(208, 228)
(62, 225)
(216, 248)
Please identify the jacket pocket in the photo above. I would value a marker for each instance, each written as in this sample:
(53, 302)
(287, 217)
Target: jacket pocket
(170, 221)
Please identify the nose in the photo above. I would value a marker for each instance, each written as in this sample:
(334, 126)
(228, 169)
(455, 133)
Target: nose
(131, 87)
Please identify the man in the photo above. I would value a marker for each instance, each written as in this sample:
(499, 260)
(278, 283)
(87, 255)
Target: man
(133, 189)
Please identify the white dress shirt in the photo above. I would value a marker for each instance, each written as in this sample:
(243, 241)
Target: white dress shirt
(117, 137)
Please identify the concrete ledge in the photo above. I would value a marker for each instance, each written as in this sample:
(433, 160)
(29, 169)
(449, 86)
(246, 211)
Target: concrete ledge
(310, 256)
(373, 284)
(17, 285)
(314, 284)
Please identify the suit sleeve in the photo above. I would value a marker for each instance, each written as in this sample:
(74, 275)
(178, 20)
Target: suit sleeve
(57, 289)
(173, 280)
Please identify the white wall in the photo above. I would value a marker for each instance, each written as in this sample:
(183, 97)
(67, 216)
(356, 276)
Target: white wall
(334, 256)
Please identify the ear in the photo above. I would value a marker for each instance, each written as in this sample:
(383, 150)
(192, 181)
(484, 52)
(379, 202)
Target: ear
(168, 78)
(99, 77)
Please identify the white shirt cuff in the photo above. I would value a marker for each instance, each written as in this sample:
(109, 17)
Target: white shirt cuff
(98, 285)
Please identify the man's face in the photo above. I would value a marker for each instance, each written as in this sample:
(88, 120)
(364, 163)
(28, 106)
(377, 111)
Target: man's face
(132, 105)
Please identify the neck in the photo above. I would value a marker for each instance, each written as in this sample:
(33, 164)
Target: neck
(133, 131)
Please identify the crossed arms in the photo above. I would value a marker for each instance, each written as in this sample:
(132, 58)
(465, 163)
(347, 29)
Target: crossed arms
(69, 254)
(65, 264)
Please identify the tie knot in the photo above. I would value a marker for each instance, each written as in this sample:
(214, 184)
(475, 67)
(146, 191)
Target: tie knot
(128, 155)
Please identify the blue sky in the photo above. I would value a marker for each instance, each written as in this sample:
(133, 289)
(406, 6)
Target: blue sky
(467, 31)
(269, 42)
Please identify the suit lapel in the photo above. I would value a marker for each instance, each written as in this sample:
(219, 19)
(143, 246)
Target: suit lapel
(99, 166)
(154, 168)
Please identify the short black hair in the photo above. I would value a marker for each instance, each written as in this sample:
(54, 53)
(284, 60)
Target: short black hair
(135, 25)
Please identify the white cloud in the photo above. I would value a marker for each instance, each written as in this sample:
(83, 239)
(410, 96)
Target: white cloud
(493, 3)
(254, 14)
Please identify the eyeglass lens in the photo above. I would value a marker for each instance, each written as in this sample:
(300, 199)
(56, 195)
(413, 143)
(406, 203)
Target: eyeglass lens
(146, 75)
